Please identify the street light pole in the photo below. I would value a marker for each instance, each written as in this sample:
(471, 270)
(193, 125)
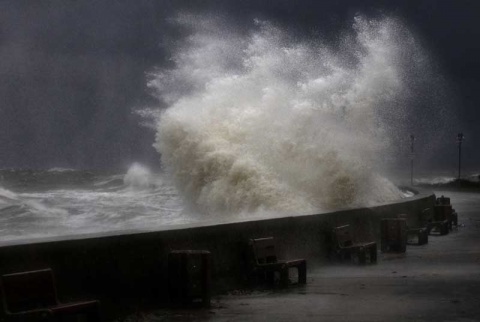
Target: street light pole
(412, 154)
(460, 138)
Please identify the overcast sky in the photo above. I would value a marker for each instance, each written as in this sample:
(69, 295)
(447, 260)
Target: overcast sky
(72, 72)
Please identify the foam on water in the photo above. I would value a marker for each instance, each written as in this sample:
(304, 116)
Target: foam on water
(438, 180)
(60, 169)
(7, 198)
(265, 122)
(136, 200)
(138, 176)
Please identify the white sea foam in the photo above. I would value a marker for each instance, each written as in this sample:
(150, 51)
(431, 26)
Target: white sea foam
(145, 201)
(60, 169)
(7, 194)
(437, 180)
(264, 122)
(138, 176)
(7, 198)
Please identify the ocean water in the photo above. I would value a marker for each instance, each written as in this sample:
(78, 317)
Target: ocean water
(251, 125)
(61, 202)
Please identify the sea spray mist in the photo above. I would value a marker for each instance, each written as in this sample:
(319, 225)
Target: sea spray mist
(266, 122)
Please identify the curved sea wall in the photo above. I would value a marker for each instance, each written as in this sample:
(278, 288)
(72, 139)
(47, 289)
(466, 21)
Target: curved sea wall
(128, 270)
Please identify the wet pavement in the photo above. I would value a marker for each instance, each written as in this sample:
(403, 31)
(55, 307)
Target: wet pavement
(439, 281)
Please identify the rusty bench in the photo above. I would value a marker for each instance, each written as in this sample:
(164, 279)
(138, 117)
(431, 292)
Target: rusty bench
(436, 222)
(394, 235)
(32, 296)
(265, 262)
(417, 235)
(451, 214)
(345, 245)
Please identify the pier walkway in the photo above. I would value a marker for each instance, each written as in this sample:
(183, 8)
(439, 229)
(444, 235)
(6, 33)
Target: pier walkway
(437, 282)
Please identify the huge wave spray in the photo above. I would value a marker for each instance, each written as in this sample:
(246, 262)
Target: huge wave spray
(266, 122)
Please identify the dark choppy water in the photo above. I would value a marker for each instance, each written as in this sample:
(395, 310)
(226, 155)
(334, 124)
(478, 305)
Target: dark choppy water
(63, 202)
(59, 202)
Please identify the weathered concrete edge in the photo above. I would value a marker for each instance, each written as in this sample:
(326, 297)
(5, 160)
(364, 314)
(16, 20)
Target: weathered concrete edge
(130, 269)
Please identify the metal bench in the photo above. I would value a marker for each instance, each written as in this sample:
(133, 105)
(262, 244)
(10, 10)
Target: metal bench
(418, 235)
(437, 223)
(394, 235)
(452, 215)
(32, 296)
(444, 213)
(265, 262)
(346, 245)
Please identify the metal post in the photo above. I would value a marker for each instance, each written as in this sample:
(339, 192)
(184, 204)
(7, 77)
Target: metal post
(460, 138)
(412, 154)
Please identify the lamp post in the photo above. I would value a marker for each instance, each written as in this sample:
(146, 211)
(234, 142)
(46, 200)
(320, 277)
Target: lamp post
(412, 155)
(460, 138)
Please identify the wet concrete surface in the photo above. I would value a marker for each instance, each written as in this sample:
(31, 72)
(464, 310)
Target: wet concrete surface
(439, 281)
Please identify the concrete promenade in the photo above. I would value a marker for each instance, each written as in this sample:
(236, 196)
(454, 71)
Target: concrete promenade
(439, 281)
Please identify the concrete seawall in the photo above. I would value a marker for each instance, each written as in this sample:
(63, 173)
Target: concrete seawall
(128, 270)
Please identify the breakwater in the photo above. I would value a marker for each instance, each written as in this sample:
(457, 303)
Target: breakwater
(128, 270)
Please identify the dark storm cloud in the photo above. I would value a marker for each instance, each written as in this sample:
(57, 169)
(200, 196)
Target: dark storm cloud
(71, 72)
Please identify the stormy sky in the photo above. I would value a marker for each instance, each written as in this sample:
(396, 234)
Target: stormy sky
(73, 72)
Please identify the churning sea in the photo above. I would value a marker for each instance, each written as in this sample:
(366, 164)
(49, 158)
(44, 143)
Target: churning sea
(61, 202)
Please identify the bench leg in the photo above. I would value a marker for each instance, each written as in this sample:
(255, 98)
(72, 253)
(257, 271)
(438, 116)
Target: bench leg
(270, 277)
(362, 256)
(444, 229)
(423, 237)
(284, 276)
(429, 228)
(373, 254)
(302, 273)
(384, 246)
(403, 246)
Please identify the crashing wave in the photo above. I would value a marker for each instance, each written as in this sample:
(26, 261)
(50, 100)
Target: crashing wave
(265, 122)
